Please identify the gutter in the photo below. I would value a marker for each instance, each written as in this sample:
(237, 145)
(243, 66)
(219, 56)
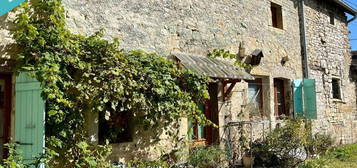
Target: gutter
(349, 9)
(305, 60)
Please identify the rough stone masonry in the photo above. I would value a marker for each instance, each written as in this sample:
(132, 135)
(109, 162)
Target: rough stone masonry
(199, 26)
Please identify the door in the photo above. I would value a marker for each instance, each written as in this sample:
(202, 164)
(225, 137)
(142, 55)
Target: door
(30, 111)
(5, 112)
(279, 92)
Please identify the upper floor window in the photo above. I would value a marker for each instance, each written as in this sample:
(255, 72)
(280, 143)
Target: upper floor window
(336, 88)
(332, 18)
(276, 15)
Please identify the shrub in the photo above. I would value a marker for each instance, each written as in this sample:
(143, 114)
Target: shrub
(14, 160)
(290, 145)
(205, 157)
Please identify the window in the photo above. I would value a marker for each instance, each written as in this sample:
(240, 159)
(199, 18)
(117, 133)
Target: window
(332, 18)
(336, 90)
(255, 96)
(279, 98)
(276, 15)
(197, 132)
(117, 129)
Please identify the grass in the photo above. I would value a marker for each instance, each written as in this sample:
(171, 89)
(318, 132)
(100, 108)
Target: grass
(341, 157)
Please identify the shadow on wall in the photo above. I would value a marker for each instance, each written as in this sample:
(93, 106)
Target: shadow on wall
(147, 145)
(8, 48)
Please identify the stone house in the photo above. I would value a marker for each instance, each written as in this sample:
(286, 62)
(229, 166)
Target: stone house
(286, 40)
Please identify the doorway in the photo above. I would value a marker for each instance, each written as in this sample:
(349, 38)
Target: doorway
(5, 112)
(279, 98)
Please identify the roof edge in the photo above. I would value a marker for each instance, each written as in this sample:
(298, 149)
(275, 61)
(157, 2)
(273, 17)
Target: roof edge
(348, 8)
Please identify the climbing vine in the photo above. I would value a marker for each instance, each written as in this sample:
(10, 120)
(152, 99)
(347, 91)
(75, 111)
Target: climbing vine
(81, 75)
(221, 53)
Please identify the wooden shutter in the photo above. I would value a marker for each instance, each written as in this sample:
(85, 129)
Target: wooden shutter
(305, 98)
(298, 104)
(310, 98)
(29, 118)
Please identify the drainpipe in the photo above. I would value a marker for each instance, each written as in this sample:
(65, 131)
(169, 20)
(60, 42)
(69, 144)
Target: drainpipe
(304, 54)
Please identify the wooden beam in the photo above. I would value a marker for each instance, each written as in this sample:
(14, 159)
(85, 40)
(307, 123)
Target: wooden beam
(229, 90)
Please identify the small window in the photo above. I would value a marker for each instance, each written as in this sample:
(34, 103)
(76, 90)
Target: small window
(117, 129)
(197, 132)
(276, 16)
(332, 18)
(336, 88)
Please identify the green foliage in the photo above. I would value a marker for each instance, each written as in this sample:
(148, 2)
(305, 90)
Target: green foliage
(205, 157)
(226, 54)
(81, 75)
(289, 145)
(147, 164)
(14, 160)
(340, 157)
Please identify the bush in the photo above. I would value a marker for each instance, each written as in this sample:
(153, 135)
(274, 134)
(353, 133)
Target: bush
(206, 157)
(290, 145)
(14, 160)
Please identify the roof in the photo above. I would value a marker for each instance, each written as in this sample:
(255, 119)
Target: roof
(211, 67)
(348, 8)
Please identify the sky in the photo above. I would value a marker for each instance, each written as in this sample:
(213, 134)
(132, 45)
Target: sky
(353, 26)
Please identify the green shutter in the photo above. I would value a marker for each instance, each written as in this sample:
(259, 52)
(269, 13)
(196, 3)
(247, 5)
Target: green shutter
(298, 104)
(305, 98)
(310, 98)
(29, 118)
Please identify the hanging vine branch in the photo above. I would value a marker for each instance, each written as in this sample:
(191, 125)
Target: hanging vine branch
(82, 75)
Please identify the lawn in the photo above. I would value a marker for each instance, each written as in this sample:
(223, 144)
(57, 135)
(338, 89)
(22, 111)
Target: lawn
(340, 157)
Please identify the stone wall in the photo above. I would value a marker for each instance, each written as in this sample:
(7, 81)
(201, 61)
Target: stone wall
(329, 57)
(198, 26)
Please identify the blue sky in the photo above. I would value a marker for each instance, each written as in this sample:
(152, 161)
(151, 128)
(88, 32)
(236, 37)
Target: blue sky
(353, 26)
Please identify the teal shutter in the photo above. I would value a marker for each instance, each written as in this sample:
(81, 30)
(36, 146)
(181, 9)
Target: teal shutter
(310, 98)
(305, 98)
(298, 104)
(29, 117)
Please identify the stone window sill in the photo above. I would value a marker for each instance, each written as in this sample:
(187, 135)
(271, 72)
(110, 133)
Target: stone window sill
(338, 101)
(276, 30)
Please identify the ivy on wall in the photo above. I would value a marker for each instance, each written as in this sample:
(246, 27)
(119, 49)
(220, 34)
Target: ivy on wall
(81, 75)
(221, 53)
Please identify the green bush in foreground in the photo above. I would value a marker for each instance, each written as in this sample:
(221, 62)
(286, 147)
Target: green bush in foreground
(340, 157)
(289, 145)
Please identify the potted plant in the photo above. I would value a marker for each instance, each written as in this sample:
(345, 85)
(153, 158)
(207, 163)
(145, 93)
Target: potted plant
(248, 159)
(246, 151)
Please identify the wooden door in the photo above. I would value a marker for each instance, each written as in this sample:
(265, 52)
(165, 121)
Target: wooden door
(279, 97)
(5, 112)
(30, 112)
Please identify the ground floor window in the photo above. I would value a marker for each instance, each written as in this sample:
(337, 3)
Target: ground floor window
(198, 132)
(117, 129)
(208, 134)
(255, 96)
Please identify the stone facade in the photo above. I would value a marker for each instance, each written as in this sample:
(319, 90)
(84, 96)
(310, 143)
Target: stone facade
(199, 26)
(329, 57)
